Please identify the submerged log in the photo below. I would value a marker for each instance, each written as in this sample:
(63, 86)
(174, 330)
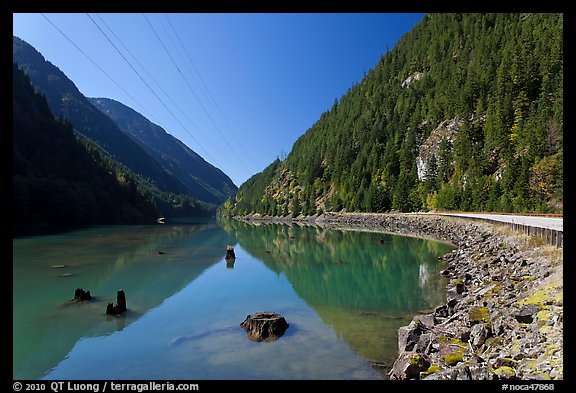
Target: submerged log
(120, 307)
(264, 326)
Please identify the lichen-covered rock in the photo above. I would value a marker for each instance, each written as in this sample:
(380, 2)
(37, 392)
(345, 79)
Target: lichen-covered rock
(409, 366)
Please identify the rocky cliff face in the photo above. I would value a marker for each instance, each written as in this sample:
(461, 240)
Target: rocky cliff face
(430, 149)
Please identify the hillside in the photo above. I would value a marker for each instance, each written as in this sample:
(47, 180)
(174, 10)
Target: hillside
(67, 102)
(57, 180)
(464, 113)
(204, 181)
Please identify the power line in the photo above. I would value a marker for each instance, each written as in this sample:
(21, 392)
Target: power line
(96, 64)
(147, 85)
(209, 92)
(157, 84)
(195, 95)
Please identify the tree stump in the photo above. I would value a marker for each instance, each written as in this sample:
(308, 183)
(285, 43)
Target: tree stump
(230, 252)
(120, 306)
(81, 295)
(264, 326)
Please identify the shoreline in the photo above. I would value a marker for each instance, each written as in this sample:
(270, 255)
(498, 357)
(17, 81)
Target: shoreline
(503, 316)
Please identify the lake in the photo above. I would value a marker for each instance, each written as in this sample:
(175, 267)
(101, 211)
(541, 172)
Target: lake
(343, 293)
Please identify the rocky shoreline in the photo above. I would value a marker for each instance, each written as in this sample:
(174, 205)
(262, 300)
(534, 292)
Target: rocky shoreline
(503, 316)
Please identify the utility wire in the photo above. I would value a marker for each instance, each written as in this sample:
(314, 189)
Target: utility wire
(157, 84)
(96, 64)
(195, 95)
(209, 92)
(147, 85)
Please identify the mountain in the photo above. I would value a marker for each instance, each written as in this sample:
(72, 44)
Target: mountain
(57, 180)
(204, 181)
(66, 101)
(465, 113)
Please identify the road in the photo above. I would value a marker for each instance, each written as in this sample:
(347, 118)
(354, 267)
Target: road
(555, 223)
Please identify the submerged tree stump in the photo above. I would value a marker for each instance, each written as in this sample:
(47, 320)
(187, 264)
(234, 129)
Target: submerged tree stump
(264, 326)
(230, 252)
(81, 295)
(120, 307)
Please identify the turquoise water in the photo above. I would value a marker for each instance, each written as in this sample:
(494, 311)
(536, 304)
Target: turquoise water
(343, 293)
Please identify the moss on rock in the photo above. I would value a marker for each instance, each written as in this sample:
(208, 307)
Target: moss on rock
(478, 314)
(453, 358)
(505, 372)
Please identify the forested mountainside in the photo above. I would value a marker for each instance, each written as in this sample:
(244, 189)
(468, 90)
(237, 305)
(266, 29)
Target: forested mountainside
(59, 181)
(464, 113)
(148, 151)
(204, 181)
(62, 179)
(66, 101)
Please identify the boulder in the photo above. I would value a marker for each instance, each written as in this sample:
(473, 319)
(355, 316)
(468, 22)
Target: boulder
(526, 313)
(409, 365)
(264, 326)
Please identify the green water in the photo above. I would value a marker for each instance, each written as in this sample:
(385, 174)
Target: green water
(343, 293)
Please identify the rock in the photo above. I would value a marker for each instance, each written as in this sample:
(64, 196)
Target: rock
(526, 313)
(479, 334)
(120, 307)
(264, 326)
(409, 366)
(477, 315)
(441, 311)
(80, 295)
(408, 336)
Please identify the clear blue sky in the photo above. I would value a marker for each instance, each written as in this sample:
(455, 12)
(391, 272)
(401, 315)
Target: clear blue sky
(269, 77)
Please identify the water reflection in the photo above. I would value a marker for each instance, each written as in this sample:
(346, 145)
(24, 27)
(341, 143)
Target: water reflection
(343, 293)
(364, 285)
(149, 262)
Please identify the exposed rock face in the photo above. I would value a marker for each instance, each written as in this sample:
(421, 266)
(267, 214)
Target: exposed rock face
(447, 130)
(411, 78)
(120, 307)
(264, 326)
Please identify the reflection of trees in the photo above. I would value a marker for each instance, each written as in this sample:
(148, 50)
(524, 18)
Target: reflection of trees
(107, 258)
(377, 272)
(382, 282)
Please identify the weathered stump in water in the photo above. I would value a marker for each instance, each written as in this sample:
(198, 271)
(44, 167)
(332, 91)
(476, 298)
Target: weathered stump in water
(120, 306)
(230, 252)
(81, 295)
(264, 326)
